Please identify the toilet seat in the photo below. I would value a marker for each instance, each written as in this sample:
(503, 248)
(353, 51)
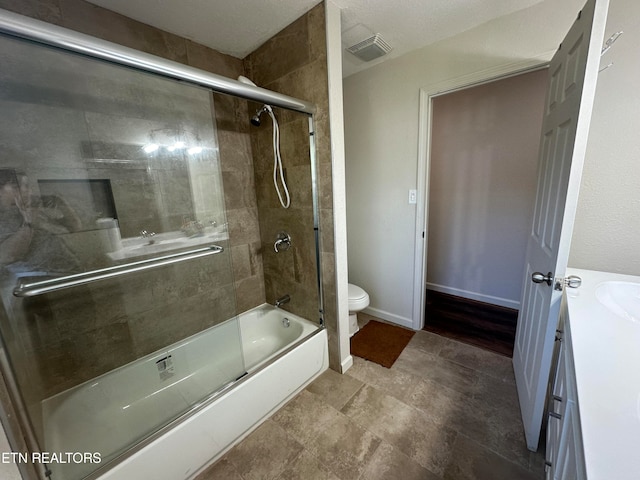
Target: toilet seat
(358, 298)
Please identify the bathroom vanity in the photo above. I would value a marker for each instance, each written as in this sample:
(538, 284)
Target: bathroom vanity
(593, 429)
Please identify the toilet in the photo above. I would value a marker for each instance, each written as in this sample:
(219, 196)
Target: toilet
(358, 301)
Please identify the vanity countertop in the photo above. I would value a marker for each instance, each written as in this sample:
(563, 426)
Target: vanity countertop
(605, 334)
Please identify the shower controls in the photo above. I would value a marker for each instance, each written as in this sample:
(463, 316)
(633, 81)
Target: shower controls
(283, 242)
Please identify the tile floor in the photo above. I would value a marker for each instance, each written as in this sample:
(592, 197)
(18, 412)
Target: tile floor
(444, 411)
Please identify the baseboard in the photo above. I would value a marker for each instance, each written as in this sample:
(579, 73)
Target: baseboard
(346, 364)
(503, 302)
(390, 317)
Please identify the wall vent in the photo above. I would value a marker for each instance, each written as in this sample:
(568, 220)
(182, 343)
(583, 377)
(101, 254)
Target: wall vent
(370, 49)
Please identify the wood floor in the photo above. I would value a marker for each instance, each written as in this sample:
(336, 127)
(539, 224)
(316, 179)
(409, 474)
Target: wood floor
(481, 324)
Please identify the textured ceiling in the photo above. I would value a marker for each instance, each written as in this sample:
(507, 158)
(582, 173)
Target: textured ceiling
(238, 27)
(234, 27)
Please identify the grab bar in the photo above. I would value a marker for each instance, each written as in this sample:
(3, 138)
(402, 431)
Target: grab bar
(32, 289)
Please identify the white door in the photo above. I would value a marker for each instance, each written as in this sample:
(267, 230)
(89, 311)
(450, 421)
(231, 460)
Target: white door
(572, 80)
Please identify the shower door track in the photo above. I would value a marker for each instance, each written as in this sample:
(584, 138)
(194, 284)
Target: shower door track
(32, 289)
(37, 31)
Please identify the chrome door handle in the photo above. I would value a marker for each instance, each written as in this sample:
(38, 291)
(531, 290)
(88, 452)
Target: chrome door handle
(538, 277)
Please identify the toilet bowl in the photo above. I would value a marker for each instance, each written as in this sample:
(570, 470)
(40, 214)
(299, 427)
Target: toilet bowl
(358, 301)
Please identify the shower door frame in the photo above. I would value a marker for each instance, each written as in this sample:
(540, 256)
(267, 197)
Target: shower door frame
(26, 28)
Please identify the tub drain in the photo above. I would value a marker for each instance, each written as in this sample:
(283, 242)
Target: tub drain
(286, 322)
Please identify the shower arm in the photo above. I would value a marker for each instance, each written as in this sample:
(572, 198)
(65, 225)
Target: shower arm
(32, 289)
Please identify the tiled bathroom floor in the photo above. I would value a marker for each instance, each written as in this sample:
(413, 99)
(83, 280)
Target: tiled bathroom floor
(445, 410)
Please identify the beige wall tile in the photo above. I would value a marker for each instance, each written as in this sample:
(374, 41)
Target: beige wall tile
(281, 54)
(45, 10)
(293, 62)
(303, 74)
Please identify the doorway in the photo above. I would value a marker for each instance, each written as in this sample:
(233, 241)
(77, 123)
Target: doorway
(481, 191)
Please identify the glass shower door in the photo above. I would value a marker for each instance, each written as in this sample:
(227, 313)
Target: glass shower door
(115, 271)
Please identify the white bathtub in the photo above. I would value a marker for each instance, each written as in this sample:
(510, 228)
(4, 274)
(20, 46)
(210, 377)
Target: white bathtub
(108, 413)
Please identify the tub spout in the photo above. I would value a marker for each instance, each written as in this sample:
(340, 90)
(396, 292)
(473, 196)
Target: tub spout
(282, 300)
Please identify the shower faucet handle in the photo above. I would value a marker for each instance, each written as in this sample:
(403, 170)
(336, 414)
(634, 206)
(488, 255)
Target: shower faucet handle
(282, 243)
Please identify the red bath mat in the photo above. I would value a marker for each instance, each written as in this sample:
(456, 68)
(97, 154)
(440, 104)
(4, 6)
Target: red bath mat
(380, 342)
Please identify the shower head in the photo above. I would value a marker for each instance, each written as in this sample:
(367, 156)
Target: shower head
(255, 120)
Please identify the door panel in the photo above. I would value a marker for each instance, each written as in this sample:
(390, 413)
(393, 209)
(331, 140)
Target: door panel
(572, 78)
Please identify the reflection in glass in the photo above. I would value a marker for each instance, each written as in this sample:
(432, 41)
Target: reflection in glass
(101, 166)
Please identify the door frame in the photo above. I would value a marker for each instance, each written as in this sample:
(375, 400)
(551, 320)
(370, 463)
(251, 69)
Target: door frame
(427, 94)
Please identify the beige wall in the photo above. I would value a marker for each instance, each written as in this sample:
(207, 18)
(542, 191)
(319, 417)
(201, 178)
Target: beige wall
(381, 107)
(607, 226)
(484, 158)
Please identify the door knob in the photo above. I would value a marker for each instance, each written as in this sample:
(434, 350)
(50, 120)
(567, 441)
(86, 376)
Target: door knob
(538, 277)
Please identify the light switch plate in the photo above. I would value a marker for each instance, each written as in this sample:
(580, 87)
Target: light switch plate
(413, 197)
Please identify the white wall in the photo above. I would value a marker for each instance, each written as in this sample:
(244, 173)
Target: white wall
(381, 139)
(482, 187)
(336, 119)
(606, 234)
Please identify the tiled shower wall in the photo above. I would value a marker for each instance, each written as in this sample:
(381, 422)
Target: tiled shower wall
(71, 336)
(293, 62)
(279, 65)
(231, 115)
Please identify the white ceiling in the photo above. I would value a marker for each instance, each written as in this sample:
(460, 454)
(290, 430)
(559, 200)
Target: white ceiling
(238, 27)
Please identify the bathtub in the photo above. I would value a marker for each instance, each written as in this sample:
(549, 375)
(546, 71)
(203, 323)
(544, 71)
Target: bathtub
(280, 354)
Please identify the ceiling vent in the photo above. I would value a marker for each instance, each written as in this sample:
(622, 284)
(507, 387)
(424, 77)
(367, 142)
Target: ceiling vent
(370, 49)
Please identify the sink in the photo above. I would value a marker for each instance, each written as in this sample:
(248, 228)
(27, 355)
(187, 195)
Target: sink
(621, 298)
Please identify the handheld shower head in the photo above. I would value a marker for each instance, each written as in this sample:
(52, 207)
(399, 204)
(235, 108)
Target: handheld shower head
(277, 160)
(255, 120)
